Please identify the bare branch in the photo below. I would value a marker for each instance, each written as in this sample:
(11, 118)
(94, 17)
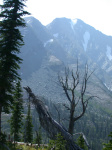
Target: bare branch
(71, 94)
(77, 101)
(68, 108)
(64, 85)
(84, 105)
(91, 97)
(75, 80)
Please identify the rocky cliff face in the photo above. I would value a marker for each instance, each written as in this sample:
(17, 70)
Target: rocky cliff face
(46, 53)
(86, 43)
(48, 49)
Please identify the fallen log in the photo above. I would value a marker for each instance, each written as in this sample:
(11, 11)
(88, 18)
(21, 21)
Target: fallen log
(48, 123)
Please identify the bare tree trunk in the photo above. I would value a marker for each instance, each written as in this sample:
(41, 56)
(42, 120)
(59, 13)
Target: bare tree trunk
(71, 127)
(71, 121)
(69, 84)
(49, 124)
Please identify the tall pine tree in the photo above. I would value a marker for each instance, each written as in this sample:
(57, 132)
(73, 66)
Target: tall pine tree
(17, 113)
(28, 133)
(10, 42)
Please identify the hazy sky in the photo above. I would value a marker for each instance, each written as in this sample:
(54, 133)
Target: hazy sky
(97, 13)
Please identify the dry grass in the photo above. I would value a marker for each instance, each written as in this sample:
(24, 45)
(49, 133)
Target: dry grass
(31, 148)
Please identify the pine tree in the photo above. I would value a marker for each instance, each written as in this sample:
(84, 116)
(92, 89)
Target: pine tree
(81, 142)
(108, 146)
(28, 135)
(17, 112)
(38, 139)
(58, 144)
(10, 42)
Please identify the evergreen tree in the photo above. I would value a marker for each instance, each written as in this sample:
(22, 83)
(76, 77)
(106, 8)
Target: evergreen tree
(10, 42)
(81, 142)
(38, 139)
(58, 144)
(108, 146)
(28, 135)
(17, 113)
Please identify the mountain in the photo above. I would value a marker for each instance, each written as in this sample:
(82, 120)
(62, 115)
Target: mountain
(38, 44)
(87, 44)
(48, 49)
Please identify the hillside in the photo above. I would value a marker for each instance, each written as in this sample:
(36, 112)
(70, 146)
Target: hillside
(49, 49)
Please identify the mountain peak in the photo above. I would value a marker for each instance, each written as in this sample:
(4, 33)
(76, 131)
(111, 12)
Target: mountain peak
(74, 20)
(32, 20)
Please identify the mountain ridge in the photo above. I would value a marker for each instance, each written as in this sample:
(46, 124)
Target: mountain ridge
(51, 48)
(46, 53)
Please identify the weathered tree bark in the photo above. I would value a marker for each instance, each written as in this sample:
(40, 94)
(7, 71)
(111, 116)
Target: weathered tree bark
(69, 84)
(48, 123)
(71, 126)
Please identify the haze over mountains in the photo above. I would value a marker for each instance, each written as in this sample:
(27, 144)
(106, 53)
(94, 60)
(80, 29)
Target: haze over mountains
(46, 53)
(48, 49)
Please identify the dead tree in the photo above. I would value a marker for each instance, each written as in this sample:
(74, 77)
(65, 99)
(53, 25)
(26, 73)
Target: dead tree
(69, 83)
(48, 123)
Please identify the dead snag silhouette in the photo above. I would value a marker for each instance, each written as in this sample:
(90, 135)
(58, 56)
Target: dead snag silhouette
(69, 84)
(48, 123)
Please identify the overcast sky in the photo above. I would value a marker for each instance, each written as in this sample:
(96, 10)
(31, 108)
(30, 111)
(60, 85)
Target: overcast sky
(97, 13)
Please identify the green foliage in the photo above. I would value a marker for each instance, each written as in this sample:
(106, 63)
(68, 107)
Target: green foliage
(24, 147)
(8, 145)
(38, 139)
(2, 147)
(11, 18)
(17, 112)
(58, 144)
(108, 146)
(28, 133)
(81, 142)
(2, 138)
(10, 42)
(96, 127)
(12, 146)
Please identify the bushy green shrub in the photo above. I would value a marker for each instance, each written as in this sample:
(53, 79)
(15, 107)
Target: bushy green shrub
(80, 142)
(2, 138)
(108, 146)
(58, 144)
